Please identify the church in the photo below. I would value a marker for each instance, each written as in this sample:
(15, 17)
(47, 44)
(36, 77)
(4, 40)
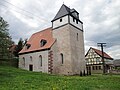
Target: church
(58, 49)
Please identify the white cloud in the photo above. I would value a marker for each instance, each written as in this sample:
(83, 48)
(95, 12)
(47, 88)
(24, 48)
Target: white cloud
(101, 19)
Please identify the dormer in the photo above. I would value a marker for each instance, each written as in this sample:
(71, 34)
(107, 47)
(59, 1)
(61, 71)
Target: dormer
(74, 13)
(67, 16)
(27, 46)
(42, 42)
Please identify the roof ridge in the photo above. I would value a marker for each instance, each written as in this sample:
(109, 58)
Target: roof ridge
(98, 50)
(105, 54)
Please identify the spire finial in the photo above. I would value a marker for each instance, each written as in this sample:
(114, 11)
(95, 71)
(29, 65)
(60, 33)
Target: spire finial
(63, 1)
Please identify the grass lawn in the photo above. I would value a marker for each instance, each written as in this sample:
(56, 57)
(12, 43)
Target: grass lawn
(16, 79)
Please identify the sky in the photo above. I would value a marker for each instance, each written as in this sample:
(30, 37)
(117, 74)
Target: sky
(101, 20)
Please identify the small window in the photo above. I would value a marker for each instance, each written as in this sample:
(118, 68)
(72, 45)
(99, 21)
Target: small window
(99, 67)
(77, 36)
(96, 67)
(93, 68)
(30, 58)
(73, 19)
(62, 58)
(43, 42)
(61, 20)
(77, 21)
(40, 58)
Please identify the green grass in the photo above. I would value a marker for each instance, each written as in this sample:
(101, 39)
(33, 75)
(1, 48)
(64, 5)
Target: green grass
(16, 79)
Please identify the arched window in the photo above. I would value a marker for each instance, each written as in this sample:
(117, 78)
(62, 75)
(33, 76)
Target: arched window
(23, 61)
(30, 58)
(77, 36)
(40, 60)
(61, 55)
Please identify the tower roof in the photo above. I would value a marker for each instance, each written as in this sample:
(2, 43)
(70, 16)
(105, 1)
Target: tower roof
(64, 10)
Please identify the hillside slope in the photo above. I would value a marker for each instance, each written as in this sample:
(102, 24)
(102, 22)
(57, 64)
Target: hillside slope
(16, 79)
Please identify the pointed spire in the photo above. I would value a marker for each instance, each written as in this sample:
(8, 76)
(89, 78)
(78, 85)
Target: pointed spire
(64, 10)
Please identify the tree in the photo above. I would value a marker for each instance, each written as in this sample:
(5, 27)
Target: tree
(19, 46)
(5, 40)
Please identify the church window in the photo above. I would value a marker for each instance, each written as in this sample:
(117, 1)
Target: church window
(30, 58)
(77, 36)
(61, 20)
(62, 58)
(40, 60)
(43, 42)
(23, 61)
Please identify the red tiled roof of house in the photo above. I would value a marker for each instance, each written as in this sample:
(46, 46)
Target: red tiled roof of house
(12, 48)
(100, 53)
(35, 39)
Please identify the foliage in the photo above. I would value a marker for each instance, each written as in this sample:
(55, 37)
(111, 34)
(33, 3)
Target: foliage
(19, 46)
(5, 39)
(17, 79)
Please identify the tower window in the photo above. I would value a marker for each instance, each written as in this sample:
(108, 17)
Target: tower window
(62, 58)
(77, 36)
(77, 21)
(61, 20)
(73, 19)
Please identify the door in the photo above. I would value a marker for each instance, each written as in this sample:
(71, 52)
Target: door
(30, 67)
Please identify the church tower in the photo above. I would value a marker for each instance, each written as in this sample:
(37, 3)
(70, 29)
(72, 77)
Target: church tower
(68, 32)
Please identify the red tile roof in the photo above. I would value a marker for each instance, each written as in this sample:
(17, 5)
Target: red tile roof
(100, 53)
(12, 48)
(35, 39)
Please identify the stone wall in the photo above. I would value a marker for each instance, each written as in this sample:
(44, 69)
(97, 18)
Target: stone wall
(71, 48)
(77, 50)
(35, 61)
(62, 36)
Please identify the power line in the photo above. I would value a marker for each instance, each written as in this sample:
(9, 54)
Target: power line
(15, 11)
(27, 15)
(23, 11)
(23, 14)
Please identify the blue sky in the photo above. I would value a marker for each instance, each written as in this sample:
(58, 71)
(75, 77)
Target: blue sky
(101, 19)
